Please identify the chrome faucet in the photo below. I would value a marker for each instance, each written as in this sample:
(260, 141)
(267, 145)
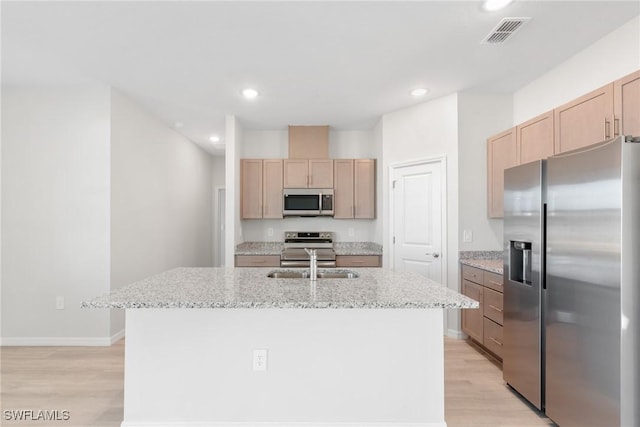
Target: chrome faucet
(313, 264)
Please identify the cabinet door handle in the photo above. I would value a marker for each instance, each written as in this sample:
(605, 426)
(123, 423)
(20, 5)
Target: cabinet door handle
(495, 341)
(616, 126)
(495, 308)
(259, 261)
(606, 128)
(495, 283)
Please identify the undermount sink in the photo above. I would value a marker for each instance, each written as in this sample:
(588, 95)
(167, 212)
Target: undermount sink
(336, 274)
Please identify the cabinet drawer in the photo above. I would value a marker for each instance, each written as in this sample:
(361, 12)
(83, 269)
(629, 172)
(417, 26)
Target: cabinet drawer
(472, 274)
(493, 305)
(257, 261)
(357, 261)
(493, 281)
(492, 337)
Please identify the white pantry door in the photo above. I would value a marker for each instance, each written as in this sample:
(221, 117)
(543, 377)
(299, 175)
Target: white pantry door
(417, 227)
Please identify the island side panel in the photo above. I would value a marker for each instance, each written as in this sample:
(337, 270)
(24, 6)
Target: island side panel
(355, 367)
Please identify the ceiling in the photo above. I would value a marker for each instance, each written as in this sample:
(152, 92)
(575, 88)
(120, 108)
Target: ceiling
(341, 63)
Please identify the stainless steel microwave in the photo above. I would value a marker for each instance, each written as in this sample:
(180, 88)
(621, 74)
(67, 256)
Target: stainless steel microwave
(308, 202)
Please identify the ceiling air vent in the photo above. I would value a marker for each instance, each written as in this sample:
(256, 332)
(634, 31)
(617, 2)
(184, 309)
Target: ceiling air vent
(505, 29)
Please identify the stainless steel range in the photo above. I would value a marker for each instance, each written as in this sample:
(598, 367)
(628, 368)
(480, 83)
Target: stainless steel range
(294, 255)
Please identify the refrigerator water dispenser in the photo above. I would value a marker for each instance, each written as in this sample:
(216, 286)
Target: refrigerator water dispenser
(520, 262)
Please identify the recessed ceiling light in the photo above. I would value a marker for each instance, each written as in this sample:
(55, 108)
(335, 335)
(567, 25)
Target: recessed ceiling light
(418, 92)
(214, 138)
(250, 93)
(491, 5)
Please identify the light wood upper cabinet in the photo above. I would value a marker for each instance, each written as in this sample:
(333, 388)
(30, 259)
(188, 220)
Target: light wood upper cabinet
(272, 188)
(251, 184)
(364, 188)
(261, 188)
(501, 154)
(301, 173)
(343, 188)
(534, 138)
(320, 173)
(627, 105)
(296, 173)
(308, 142)
(354, 188)
(584, 121)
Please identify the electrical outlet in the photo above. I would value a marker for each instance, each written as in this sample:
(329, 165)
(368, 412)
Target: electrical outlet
(59, 303)
(467, 236)
(260, 360)
(270, 231)
(352, 232)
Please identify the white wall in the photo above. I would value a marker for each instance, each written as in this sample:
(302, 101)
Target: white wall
(161, 199)
(55, 214)
(233, 227)
(377, 137)
(614, 56)
(426, 130)
(218, 181)
(271, 144)
(95, 194)
(479, 116)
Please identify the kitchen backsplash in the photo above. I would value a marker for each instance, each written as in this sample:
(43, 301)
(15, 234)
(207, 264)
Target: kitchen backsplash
(344, 230)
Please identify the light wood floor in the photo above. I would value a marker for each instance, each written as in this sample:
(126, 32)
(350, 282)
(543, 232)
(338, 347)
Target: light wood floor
(88, 382)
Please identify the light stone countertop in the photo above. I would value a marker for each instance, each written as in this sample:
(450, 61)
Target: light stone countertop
(485, 260)
(341, 248)
(251, 288)
(357, 248)
(259, 248)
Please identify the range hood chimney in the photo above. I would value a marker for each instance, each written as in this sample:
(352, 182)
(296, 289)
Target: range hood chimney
(309, 142)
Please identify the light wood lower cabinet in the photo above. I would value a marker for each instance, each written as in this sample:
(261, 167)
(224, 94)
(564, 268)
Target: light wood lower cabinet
(257, 260)
(358, 261)
(492, 338)
(483, 325)
(472, 324)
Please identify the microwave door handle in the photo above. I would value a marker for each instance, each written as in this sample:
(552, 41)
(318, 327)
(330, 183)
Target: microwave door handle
(320, 203)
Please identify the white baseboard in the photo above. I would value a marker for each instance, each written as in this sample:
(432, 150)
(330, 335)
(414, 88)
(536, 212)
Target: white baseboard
(273, 424)
(456, 334)
(61, 341)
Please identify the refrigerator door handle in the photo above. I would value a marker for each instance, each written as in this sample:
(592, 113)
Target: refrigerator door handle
(543, 251)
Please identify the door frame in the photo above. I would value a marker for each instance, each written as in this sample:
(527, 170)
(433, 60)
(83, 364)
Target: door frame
(442, 160)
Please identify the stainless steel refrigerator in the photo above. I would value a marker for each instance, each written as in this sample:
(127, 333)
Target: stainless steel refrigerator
(572, 284)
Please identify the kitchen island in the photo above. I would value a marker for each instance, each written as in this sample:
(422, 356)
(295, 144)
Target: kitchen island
(351, 352)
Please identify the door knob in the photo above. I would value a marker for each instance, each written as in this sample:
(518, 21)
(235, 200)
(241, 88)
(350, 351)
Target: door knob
(435, 254)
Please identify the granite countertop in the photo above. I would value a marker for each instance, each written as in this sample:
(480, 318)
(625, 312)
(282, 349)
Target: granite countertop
(259, 248)
(357, 248)
(251, 288)
(486, 260)
(341, 248)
